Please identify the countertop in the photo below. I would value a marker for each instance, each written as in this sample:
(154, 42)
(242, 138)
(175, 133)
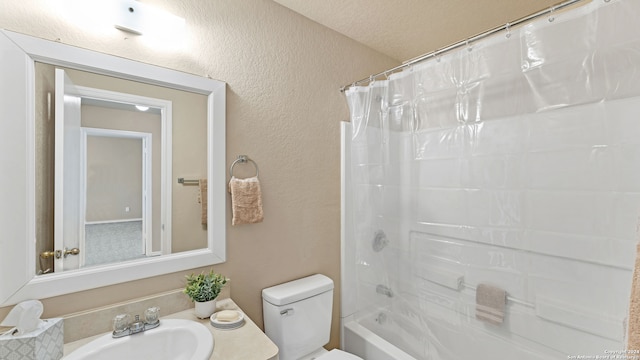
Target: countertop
(245, 343)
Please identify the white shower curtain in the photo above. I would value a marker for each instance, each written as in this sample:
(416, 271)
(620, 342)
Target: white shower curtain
(514, 162)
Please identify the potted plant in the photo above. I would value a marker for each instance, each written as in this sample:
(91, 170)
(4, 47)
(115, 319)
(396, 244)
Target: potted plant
(203, 290)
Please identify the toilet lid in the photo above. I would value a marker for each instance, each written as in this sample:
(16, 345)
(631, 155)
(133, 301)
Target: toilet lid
(336, 354)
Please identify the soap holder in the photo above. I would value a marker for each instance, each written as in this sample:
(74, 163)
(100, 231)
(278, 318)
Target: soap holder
(227, 325)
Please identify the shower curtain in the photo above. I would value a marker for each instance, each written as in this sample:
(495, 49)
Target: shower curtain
(512, 162)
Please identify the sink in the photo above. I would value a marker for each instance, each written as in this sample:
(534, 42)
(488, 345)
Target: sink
(174, 339)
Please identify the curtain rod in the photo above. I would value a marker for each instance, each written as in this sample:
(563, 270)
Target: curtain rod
(466, 42)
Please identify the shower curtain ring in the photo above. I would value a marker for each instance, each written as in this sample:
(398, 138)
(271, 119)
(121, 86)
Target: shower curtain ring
(469, 48)
(551, 17)
(508, 29)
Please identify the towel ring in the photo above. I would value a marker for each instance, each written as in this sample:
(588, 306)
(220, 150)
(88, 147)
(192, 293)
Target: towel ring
(243, 159)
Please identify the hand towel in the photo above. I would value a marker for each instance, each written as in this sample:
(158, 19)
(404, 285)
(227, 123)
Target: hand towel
(203, 200)
(246, 200)
(490, 303)
(633, 332)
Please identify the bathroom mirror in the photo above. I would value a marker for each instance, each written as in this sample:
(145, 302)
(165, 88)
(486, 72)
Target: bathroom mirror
(27, 168)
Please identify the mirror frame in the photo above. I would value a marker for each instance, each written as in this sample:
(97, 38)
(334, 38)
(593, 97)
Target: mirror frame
(18, 280)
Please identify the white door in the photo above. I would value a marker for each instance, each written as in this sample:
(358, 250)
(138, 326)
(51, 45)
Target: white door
(67, 218)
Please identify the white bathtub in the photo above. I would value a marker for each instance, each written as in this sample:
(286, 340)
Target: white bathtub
(359, 340)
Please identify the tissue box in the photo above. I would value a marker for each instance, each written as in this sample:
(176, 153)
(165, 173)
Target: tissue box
(45, 343)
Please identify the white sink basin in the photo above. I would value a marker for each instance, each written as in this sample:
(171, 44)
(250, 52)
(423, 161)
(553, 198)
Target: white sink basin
(174, 339)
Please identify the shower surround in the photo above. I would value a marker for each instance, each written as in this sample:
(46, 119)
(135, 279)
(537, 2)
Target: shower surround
(514, 162)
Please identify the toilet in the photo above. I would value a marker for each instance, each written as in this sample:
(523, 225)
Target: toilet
(297, 318)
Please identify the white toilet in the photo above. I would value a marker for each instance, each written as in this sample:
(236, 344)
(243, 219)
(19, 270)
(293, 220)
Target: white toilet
(297, 318)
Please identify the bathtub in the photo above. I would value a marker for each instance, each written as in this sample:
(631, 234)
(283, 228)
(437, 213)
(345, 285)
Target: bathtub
(359, 340)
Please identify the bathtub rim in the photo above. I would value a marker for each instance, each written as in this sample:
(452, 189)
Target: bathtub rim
(373, 347)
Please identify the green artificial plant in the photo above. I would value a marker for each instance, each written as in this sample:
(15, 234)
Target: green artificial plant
(204, 287)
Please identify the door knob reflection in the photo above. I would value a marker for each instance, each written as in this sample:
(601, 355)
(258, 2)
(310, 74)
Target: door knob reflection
(73, 251)
(59, 253)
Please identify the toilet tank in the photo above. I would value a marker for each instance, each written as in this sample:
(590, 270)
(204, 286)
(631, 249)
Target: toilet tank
(297, 315)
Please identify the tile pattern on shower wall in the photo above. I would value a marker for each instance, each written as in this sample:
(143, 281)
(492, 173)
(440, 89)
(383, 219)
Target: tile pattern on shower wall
(544, 205)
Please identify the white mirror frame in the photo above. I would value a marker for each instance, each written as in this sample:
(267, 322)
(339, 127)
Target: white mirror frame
(18, 280)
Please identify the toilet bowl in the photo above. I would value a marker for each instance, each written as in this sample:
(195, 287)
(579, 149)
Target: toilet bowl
(297, 318)
(337, 354)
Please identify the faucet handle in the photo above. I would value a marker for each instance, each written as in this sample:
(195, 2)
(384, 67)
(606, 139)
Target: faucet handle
(151, 315)
(121, 323)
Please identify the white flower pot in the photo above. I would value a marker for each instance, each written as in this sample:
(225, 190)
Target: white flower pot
(204, 309)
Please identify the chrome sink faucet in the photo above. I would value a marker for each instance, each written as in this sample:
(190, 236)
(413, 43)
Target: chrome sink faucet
(122, 325)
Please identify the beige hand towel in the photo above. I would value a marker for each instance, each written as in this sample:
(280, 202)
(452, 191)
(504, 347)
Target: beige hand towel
(490, 303)
(246, 201)
(633, 333)
(203, 200)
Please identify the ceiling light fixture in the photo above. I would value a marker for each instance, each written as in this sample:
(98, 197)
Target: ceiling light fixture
(140, 18)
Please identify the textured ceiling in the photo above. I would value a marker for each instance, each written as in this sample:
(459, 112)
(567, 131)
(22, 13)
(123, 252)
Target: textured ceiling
(409, 28)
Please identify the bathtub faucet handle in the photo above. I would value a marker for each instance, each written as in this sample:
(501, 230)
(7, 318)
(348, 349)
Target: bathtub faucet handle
(384, 290)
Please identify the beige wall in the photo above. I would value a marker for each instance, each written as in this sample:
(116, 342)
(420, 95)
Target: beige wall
(283, 110)
(44, 158)
(114, 178)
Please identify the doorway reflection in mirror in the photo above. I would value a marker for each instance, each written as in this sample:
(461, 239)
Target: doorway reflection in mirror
(115, 220)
